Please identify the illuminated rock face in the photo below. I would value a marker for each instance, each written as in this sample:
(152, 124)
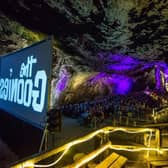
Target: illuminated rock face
(89, 32)
(124, 75)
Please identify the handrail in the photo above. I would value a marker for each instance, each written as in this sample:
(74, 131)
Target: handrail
(30, 162)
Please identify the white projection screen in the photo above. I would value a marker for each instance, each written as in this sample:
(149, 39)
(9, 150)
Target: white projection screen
(25, 81)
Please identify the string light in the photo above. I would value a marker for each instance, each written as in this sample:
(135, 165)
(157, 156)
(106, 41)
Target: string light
(114, 147)
(105, 130)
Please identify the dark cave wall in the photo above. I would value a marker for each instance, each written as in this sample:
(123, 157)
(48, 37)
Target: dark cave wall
(14, 36)
(85, 30)
(133, 27)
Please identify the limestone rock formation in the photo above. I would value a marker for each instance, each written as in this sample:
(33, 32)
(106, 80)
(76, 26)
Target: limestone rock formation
(84, 29)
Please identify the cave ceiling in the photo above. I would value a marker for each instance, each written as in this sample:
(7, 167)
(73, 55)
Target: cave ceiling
(89, 27)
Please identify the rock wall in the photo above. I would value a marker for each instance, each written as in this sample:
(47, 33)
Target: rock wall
(83, 30)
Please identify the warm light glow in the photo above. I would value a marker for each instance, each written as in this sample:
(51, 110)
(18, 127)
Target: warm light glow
(94, 154)
(79, 79)
(90, 156)
(27, 164)
(106, 130)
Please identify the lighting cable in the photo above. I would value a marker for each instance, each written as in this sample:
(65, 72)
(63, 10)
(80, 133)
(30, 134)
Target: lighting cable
(104, 130)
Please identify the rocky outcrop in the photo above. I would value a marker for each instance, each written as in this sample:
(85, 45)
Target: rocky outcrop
(14, 36)
(148, 24)
(86, 32)
(85, 28)
(124, 75)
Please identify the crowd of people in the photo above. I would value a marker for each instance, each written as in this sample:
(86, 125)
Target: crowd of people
(137, 106)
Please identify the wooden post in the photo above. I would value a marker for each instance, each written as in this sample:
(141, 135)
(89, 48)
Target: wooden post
(157, 139)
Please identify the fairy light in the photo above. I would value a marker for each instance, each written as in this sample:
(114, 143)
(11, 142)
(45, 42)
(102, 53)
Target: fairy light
(127, 130)
(105, 130)
(81, 140)
(94, 154)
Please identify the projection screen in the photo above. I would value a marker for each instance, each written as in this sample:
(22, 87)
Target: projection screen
(25, 81)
